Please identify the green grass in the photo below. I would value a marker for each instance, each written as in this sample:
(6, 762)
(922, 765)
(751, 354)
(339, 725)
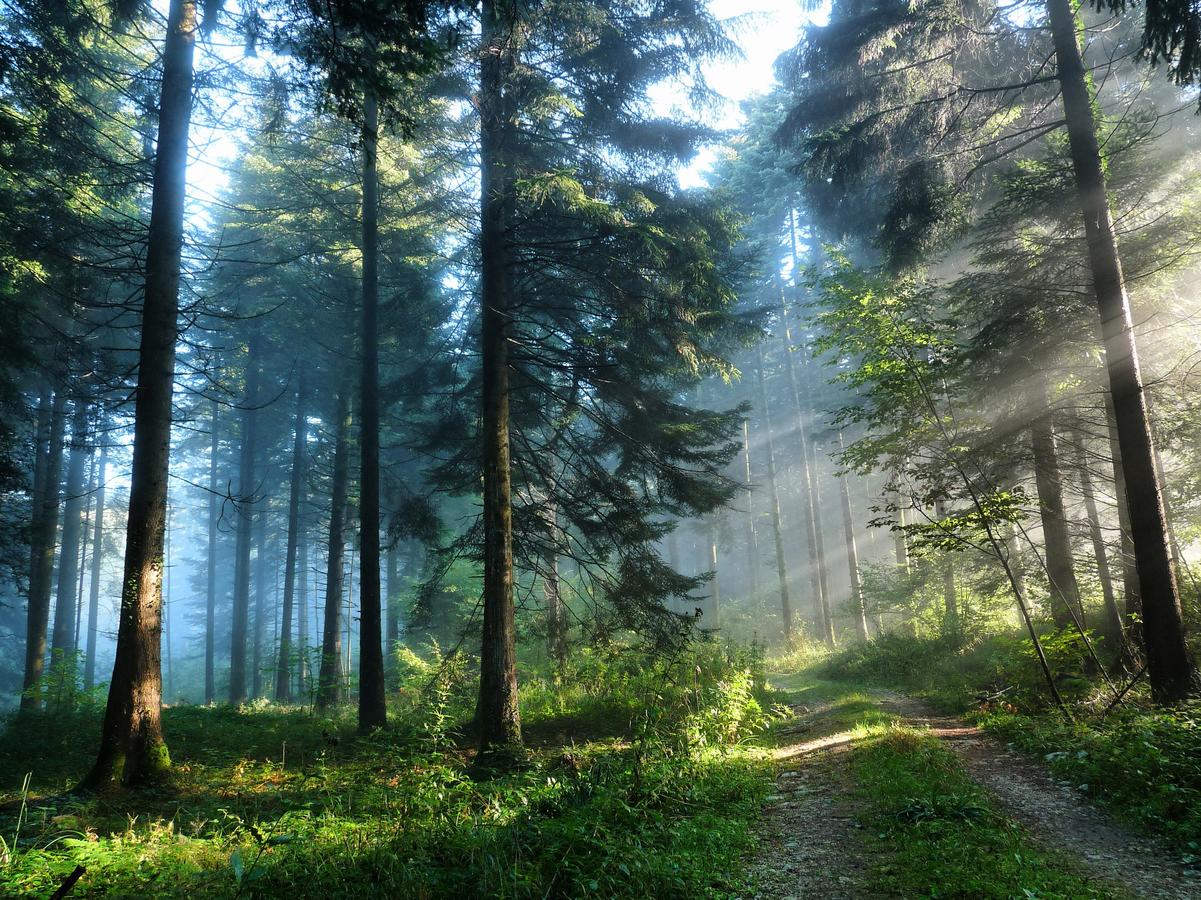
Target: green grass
(1143, 765)
(938, 833)
(276, 802)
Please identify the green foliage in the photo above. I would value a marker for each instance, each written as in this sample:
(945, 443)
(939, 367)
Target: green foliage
(269, 801)
(942, 834)
(1143, 765)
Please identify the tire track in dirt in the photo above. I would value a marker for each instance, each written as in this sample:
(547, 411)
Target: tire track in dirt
(1054, 813)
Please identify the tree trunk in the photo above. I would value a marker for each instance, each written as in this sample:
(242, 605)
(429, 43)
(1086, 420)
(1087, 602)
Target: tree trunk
(302, 605)
(1057, 542)
(89, 659)
(83, 550)
(774, 499)
(245, 509)
(62, 644)
(392, 606)
(42, 540)
(950, 600)
(715, 583)
(858, 609)
(132, 742)
(1133, 608)
(210, 596)
(283, 671)
(1113, 616)
(329, 675)
(373, 711)
(1169, 667)
(1013, 557)
(752, 532)
(498, 713)
(261, 590)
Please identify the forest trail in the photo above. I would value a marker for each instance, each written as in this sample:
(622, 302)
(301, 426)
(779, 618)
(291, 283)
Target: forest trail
(812, 845)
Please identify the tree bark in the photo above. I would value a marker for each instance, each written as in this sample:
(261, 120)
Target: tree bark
(302, 606)
(1169, 666)
(752, 532)
(858, 609)
(1057, 541)
(774, 500)
(210, 596)
(950, 599)
(283, 670)
(1113, 616)
(329, 675)
(1132, 613)
(89, 659)
(499, 717)
(132, 742)
(373, 711)
(42, 541)
(261, 590)
(62, 643)
(808, 511)
(245, 509)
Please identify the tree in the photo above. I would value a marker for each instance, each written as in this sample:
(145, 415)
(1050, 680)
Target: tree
(132, 745)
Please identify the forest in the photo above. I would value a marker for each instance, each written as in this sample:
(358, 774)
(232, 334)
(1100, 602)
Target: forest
(600, 448)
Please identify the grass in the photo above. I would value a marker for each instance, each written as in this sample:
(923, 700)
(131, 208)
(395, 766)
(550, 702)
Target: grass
(1141, 763)
(271, 802)
(938, 833)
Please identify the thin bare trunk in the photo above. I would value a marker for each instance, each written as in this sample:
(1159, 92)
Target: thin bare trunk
(774, 498)
(245, 511)
(89, 659)
(329, 676)
(283, 669)
(42, 541)
(1057, 542)
(858, 609)
(62, 644)
(210, 595)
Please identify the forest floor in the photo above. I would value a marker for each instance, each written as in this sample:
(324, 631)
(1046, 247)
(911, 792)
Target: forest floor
(878, 795)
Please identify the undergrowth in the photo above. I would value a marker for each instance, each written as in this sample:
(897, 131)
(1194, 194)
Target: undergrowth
(642, 782)
(937, 830)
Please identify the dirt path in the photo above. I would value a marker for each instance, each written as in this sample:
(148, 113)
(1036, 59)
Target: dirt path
(1054, 813)
(810, 844)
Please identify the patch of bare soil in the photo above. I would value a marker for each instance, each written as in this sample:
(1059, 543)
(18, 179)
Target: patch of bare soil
(809, 846)
(1054, 813)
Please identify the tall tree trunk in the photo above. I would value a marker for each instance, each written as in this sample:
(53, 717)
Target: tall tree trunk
(283, 671)
(1169, 667)
(752, 531)
(62, 644)
(715, 583)
(817, 573)
(210, 595)
(132, 738)
(373, 711)
(89, 659)
(1013, 557)
(261, 589)
(774, 499)
(827, 616)
(83, 550)
(245, 509)
(329, 675)
(900, 540)
(858, 609)
(1132, 613)
(392, 606)
(950, 599)
(499, 717)
(1113, 616)
(1057, 542)
(302, 606)
(42, 541)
